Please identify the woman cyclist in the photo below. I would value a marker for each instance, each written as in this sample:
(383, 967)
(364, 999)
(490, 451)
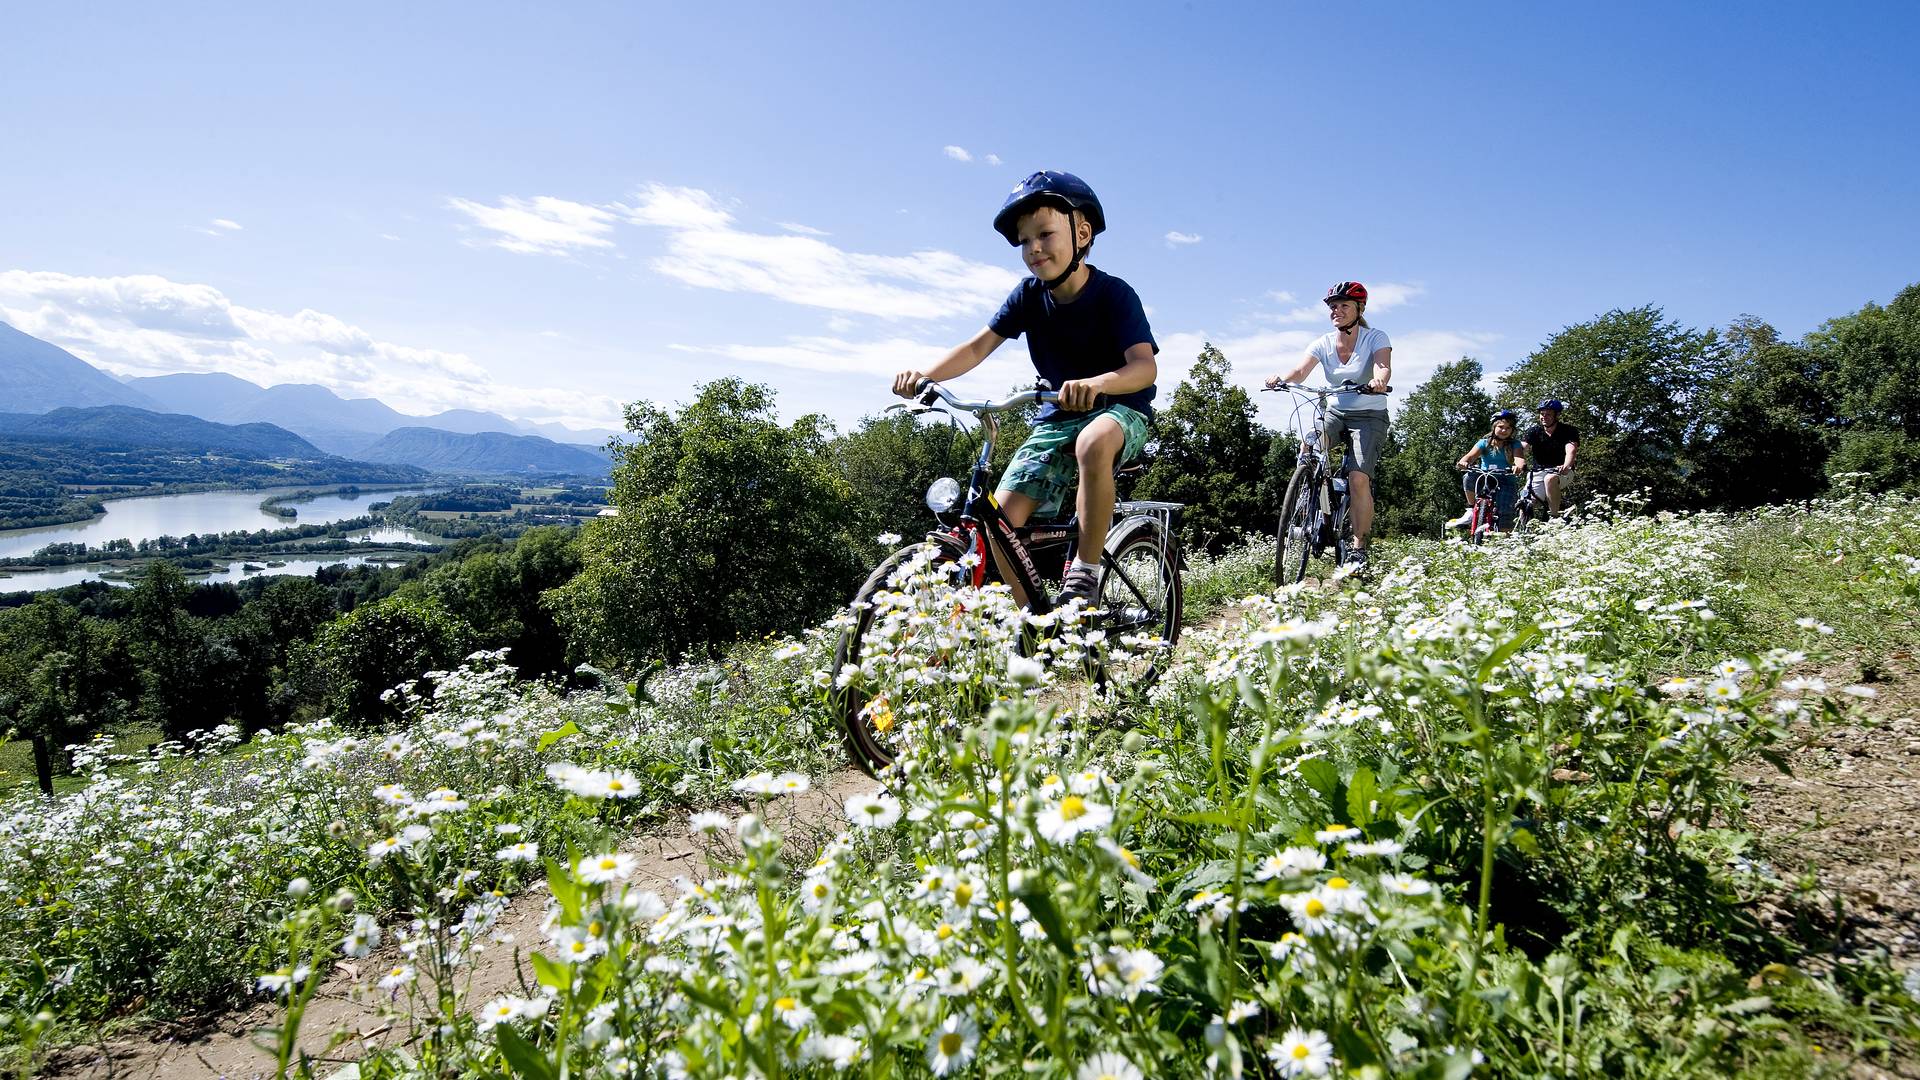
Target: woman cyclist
(1500, 450)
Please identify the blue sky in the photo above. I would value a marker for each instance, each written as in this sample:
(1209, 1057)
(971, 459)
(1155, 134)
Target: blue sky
(552, 210)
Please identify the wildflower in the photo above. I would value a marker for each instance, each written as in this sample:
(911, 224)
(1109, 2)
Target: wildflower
(887, 539)
(299, 887)
(363, 938)
(1290, 862)
(952, 1046)
(1242, 1010)
(380, 849)
(393, 795)
(507, 1008)
(876, 811)
(840, 1051)
(760, 783)
(1128, 862)
(791, 783)
(600, 869)
(1302, 1053)
(1406, 885)
(788, 651)
(1377, 847)
(1293, 949)
(396, 977)
(1311, 911)
(1335, 833)
(1124, 973)
(1860, 691)
(964, 976)
(619, 785)
(521, 852)
(284, 979)
(709, 823)
(816, 891)
(439, 801)
(792, 1013)
(576, 944)
(1070, 817)
(1108, 1065)
(1814, 625)
(1024, 671)
(507, 828)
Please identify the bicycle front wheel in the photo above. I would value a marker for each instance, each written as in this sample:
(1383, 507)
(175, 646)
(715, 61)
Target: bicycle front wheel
(872, 723)
(1140, 600)
(1294, 544)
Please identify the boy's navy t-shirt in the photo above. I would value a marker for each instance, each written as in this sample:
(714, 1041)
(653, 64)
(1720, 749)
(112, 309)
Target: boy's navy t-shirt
(1079, 340)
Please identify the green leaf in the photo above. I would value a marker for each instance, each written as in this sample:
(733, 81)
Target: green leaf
(1523, 839)
(551, 972)
(523, 1058)
(1507, 648)
(1321, 775)
(565, 893)
(1362, 791)
(1048, 916)
(554, 736)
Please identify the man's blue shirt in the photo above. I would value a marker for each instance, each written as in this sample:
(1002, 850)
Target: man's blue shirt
(1079, 340)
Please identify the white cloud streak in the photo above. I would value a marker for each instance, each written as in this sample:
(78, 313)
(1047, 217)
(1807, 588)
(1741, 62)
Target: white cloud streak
(226, 223)
(542, 225)
(803, 230)
(957, 153)
(1177, 238)
(149, 325)
(705, 249)
(993, 159)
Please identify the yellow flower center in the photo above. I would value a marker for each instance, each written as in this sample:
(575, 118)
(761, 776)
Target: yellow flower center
(1338, 883)
(882, 716)
(820, 890)
(1315, 908)
(1072, 807)
(1131, 859)
(1051, 778)
(594, 928)
(1300, 1052)
(950, 1043)
(944, 931)
(609, 864)
(786, 1004)
(963, 893)
(615, 785)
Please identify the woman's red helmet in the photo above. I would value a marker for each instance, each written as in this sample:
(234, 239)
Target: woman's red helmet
(1347, 290)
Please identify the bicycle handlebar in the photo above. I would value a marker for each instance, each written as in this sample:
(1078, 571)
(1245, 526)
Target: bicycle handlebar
(1343, 388)
(928, 391)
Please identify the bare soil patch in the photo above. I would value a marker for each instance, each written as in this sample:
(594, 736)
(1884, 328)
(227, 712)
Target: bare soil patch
(226, 1048)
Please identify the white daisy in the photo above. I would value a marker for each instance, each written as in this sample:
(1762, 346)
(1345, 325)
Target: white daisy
(952, 1045)
(599, 869)
(1302, 1053)
(1070, 817)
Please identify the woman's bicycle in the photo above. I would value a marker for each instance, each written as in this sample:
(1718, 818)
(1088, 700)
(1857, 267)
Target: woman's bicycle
(1483, 513)
(1313, 513)
(1132, 621)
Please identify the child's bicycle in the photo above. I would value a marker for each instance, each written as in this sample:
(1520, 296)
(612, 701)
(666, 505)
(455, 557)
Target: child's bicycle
(1137, 608)
(1313, 513)
(1483, 513)
(1531, 511)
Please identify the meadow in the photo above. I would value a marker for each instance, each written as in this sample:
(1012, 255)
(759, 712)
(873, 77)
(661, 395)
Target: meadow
(1484, 813)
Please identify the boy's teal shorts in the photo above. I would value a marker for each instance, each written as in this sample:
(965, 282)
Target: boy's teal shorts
(1045, 469)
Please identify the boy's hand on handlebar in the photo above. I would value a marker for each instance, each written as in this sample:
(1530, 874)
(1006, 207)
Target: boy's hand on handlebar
(1275, 382)
(1079, 395)
(907, 383)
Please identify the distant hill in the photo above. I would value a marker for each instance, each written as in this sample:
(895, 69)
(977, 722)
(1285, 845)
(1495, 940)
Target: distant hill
(489, 453)
(119, 426)
(37, 375)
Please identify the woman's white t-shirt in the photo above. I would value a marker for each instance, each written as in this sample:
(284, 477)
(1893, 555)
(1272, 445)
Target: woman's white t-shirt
(1357, 370)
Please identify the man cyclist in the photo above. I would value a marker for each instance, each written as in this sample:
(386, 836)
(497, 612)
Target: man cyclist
(1087, 335)
(1551, 444)
(1352, 352)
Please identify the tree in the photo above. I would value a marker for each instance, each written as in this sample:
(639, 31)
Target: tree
(372, 649)
(730, 526)
(1212, 456)
(1767, 423)
(63, 677)
(1417, 487)
(171, 649)
(1632, 383)
(497, 592)
(890, 460)
(1874, 356)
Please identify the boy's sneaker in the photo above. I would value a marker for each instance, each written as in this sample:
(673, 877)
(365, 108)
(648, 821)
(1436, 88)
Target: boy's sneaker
(1357, 558)
(1079, 584)
(1461, 521)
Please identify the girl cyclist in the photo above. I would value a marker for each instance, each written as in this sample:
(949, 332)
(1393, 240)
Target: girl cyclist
(1501, 450)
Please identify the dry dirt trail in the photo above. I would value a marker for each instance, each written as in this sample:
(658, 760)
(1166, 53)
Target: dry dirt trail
(665, 851)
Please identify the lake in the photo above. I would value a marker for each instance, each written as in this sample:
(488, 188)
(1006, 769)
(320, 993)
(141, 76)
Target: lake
(151, 516)
(203, 512)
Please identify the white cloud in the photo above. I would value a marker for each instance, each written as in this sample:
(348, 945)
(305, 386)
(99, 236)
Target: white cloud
(1389, 295)
(706, 250)
(388, 236)
(677, 208)
(957, 153)
(803, 230)
(149, 325)
(1176, 238)
(993, 159)
(1280, 296)
(226, 223)
(542, 225)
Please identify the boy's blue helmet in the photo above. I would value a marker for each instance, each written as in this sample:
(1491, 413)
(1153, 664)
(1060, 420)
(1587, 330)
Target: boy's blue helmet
(1061, 189)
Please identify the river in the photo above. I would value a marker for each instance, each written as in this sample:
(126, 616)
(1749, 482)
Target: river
(202, 512)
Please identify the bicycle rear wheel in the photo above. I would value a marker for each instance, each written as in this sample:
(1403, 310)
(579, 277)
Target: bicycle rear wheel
(1299, 529)
(1140, 600)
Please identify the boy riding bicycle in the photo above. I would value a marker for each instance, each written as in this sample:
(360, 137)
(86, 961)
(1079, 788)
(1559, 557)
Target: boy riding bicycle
(1087, 335)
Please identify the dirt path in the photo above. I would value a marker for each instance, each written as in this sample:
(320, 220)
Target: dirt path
(664, 852)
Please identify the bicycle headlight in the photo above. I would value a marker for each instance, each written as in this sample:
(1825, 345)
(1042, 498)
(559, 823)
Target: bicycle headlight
(943, 495)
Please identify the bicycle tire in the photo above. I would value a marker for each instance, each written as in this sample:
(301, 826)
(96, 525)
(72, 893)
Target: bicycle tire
(1141, 596)
(1477, 528)
(866, 732)
(1295, 538)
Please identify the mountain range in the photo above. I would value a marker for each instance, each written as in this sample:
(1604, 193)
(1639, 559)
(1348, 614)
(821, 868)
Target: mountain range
(38, 377)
